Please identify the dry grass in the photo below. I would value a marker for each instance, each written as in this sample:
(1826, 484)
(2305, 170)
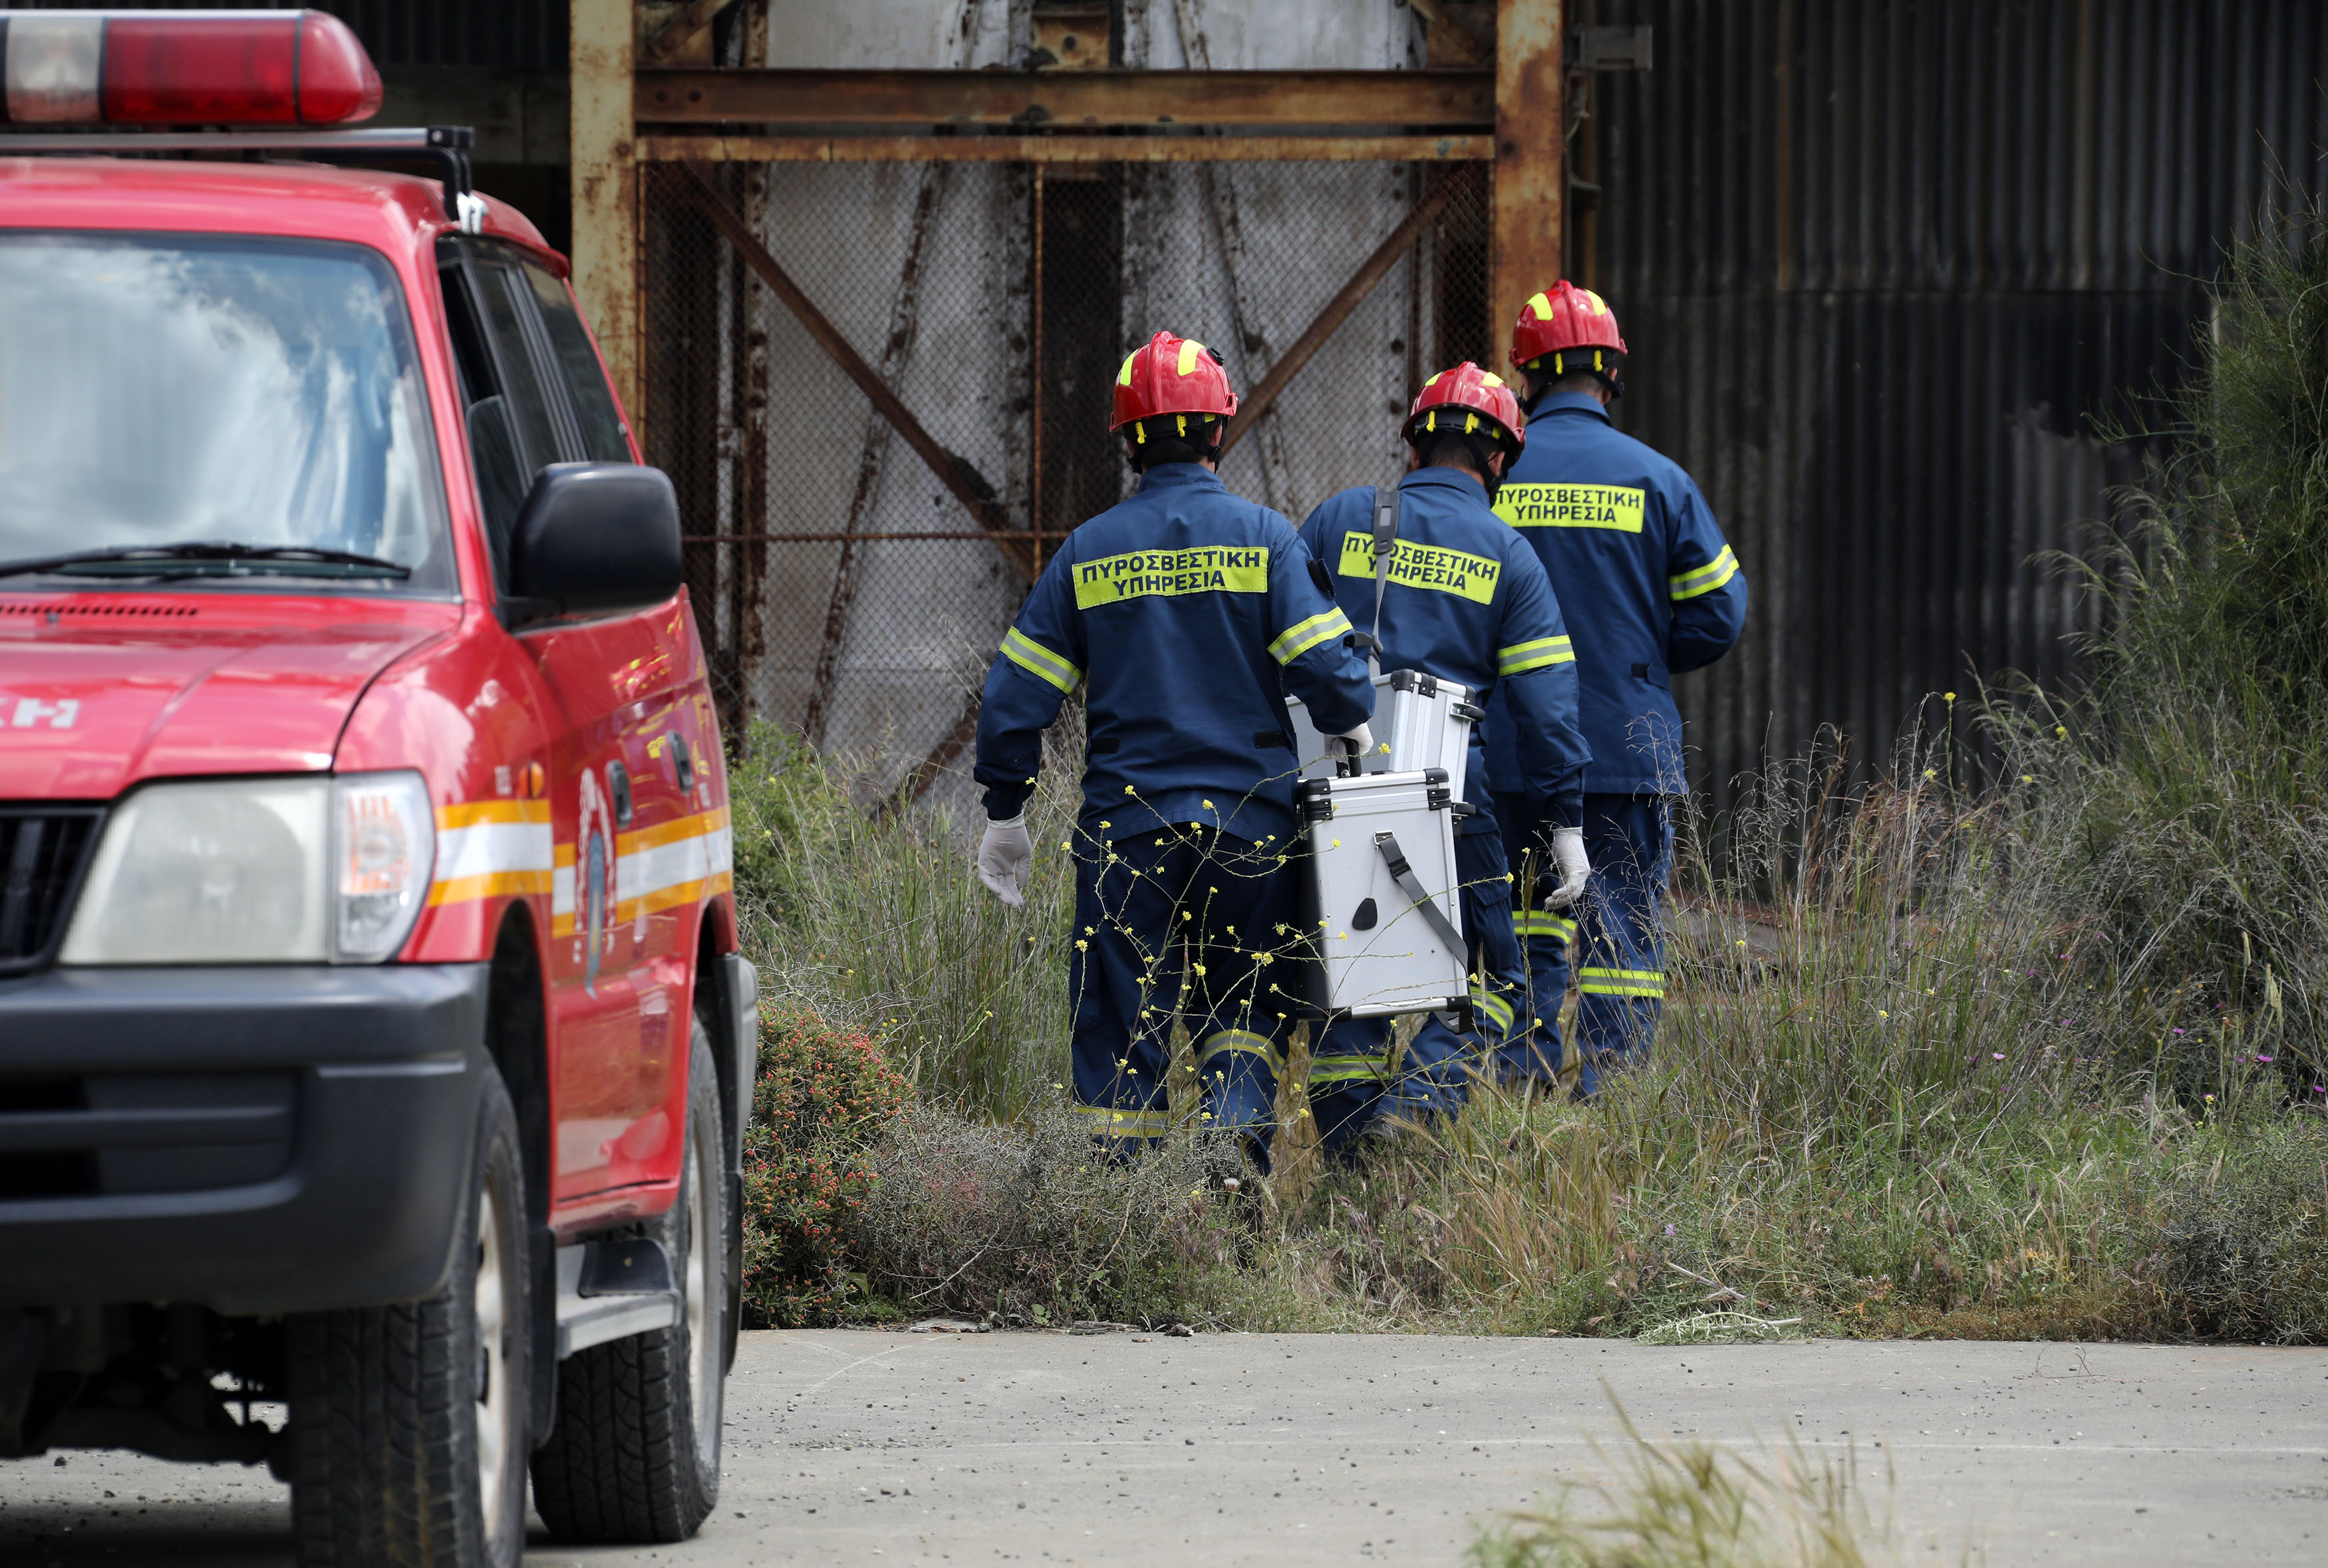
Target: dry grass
(1698, 1505)
(2046, 1058)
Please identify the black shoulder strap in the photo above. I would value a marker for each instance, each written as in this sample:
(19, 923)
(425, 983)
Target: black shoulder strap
(1386, 505)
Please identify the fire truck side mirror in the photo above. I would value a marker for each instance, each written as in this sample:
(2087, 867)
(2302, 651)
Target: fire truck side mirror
(593, 539)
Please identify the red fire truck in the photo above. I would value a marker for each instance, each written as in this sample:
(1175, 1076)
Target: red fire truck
(375, 1046)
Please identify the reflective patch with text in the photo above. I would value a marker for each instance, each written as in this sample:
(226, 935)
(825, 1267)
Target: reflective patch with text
(1213, 568)
(1423, 566)
(1611, 506)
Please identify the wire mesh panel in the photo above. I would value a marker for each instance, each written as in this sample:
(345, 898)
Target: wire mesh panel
(844, 588)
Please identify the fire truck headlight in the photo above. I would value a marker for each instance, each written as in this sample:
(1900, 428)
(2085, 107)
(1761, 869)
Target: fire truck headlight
(276, 871)
(383, 851)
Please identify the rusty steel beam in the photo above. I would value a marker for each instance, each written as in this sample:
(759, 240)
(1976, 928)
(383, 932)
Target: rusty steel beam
(604, 187)
(1026, 98)
(1354, 294)
(832, 536)
(1531, 158)
(956, 472)
(1065, 149)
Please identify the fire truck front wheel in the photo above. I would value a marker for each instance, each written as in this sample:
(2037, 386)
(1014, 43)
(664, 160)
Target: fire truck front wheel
(409, 1422)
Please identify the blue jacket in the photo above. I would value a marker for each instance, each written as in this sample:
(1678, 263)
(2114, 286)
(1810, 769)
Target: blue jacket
(1468, 602)
(1650, 588)
(1191, 612)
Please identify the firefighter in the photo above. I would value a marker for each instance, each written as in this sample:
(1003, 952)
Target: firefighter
(1188, 614)
(1651, 590)
(1467, 601)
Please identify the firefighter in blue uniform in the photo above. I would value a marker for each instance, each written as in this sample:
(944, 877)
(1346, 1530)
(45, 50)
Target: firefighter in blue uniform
(1188, 613)
(1651, 590)
(1465, 600)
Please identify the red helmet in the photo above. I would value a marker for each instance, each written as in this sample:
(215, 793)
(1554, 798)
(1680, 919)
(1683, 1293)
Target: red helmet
(1572, 326)
(1172, 375)
(1486, 407)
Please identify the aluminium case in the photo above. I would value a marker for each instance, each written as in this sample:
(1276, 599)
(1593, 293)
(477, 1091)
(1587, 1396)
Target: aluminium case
(1375, 953)
(1424, 721)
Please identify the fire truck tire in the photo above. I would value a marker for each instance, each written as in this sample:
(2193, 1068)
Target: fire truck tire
(635, 1454)
(409, 1423)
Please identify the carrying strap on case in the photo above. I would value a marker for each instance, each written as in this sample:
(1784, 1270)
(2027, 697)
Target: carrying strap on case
(1386, 500)
(1386, 845)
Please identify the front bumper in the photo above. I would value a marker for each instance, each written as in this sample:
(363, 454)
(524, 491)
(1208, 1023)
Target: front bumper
(252, 1140)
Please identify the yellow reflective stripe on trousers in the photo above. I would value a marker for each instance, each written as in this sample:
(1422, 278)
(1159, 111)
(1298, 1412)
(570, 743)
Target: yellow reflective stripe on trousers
(1229, 1040)
(1118, 1123)
(1298, 640)
(1324, 1071)
(1649, 982)
(1522, 657)
(1495, 1009)
(1707, 577)
(1527, 923)
(1039, 661)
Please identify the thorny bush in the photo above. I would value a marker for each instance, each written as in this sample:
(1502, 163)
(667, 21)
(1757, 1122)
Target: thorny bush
(824, 1095)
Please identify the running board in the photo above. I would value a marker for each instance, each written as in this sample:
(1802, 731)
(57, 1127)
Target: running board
(611, 1290)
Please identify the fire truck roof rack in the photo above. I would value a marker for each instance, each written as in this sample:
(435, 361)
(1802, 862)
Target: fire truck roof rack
(446, 147)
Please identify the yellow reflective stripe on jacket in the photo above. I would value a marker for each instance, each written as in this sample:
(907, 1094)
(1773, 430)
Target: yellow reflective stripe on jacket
(1298, 640)
(1527, 923)
(1229, 1040)
(1126, 1124)
(1039, 661)
(1522, 657)
(1649, 982)
(1707, 577)
(1324, 1071)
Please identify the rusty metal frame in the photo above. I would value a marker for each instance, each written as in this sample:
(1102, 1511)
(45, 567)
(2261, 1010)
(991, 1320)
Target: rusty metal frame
(956, 472)
(1352, 295)
(1314, 100)
(1454, 147)
(1474, 118)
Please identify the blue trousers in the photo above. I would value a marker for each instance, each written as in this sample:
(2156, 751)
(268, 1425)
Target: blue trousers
(1154, 912)
(1616, 943)
(1353, 1083)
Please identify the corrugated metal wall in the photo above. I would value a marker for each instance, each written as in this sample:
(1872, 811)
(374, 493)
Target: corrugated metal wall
(1883, 265)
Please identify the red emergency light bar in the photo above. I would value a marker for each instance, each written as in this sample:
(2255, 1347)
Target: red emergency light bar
(184, 67)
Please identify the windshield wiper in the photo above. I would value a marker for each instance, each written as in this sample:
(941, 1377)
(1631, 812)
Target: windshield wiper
(205, 558)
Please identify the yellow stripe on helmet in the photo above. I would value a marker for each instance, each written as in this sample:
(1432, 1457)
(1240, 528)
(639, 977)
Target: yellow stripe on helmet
(1189, 349)
(1541, 303)
(1124, 376)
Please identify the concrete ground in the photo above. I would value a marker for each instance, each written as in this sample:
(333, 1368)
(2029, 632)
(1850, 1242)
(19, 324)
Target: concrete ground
(1118, 1448)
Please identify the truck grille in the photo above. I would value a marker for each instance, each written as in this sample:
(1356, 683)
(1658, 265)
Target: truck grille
(42, 848)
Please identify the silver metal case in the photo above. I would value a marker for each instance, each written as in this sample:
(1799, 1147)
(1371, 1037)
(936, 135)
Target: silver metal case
(1426, 722)
(1376, 953)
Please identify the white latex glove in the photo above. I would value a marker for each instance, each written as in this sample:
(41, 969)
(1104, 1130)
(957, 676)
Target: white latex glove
(1568, 855)
(1004, 856)
(1359, 742)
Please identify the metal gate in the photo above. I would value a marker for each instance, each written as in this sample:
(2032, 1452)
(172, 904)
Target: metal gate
(882, 386)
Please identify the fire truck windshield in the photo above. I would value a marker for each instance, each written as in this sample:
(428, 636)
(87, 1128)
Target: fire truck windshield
(259, 399)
